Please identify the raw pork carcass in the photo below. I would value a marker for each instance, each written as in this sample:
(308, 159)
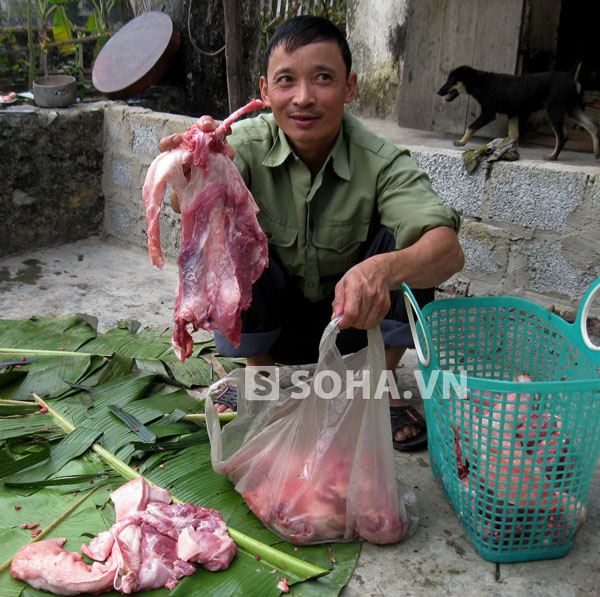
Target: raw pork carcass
(223, 248)
(511, 462)
(152, 544)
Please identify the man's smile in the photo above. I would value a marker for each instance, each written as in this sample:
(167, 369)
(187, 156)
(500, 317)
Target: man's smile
(304, 117)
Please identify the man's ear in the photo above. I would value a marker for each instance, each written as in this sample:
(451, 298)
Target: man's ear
(264, 91)
(351, 88)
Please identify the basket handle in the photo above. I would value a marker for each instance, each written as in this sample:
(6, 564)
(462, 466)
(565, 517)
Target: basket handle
(582, 314)
(412, 307)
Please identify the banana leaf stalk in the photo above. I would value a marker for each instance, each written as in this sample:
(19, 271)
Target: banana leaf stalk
(224, 417)
(53, 525)
(247, 544)
(7, 402)
(60, 353)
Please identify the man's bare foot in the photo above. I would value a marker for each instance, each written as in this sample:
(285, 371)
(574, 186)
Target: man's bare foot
(408, 431)
(221, 408)
(392, 360)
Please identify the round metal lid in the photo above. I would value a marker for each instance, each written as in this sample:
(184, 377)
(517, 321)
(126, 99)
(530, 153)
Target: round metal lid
(136, 56)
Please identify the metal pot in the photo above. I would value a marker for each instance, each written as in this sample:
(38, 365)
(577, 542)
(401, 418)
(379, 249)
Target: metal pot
(54, 91)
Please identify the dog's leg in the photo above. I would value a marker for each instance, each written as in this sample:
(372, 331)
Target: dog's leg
(513, 127)
(465, 138)
(583, 120)
(557, 121)
(483, 119)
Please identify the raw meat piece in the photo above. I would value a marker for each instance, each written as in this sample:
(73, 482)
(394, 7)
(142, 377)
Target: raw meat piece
(153, 544)
(127, 550)
(157, 494)
(223, 249)
(206, 541)
(7, 99)
(306, 508)
(511, 464)
(210, 549)
(130, 498)
(100, 546)
(47, 566)
(283, 586)
(161, 564)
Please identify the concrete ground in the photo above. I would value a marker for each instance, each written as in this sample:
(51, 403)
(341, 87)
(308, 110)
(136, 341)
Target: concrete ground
(113, 281)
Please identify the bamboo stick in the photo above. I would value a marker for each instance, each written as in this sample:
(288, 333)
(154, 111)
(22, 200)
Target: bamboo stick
(224, 417)
(23, 28)
(30, 65)
(34, 352)
(8, 402)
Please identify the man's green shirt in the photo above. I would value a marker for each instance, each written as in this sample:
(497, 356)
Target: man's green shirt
(317, 228)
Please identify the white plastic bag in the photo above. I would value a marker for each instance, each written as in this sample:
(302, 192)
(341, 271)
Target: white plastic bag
(315, 462)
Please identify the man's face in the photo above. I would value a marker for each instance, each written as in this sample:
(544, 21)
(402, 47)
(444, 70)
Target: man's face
(306, 90)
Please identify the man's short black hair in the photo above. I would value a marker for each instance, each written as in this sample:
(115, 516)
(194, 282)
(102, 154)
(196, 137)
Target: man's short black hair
(303, 30)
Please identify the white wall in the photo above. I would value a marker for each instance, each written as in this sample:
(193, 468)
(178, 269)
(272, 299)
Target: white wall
(376, 35)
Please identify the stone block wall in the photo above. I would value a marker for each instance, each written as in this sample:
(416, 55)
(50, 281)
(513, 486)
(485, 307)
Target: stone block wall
(530, 228)
(131, 143)
(50, 170)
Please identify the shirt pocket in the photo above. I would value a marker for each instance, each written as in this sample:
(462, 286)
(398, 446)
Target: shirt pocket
(282, 237)
(339, 245)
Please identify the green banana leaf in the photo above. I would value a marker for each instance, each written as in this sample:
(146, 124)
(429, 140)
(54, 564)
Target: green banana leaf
(58, 334)
(63, 30)
(52, 457)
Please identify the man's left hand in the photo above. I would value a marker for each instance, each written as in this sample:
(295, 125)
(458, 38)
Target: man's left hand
(362, 296)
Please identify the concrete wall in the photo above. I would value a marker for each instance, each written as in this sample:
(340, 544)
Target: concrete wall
(530, 228)
(131, 137)
(377, 37)
(50, 172)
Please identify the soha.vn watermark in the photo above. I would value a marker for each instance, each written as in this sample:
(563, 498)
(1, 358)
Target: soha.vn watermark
(263, 383)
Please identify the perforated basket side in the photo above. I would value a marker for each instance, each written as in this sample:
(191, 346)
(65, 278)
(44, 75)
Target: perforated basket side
(490, 341)
(495, 338)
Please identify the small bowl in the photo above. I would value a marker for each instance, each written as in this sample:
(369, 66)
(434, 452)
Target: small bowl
(54, 91)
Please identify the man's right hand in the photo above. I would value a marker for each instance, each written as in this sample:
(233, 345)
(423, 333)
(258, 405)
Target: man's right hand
(170, 142)
(167, 144)
(206, 124)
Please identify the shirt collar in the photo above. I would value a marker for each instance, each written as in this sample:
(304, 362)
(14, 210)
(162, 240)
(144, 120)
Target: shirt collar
(281, 150)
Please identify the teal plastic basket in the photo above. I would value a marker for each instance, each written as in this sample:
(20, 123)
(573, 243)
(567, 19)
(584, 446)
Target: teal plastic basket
(515, 458)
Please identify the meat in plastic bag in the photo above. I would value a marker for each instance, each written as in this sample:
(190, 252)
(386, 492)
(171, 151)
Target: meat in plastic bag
(315, 463)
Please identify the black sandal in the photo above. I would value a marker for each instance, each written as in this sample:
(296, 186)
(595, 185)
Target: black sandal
(227, 396)
(402, 416)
